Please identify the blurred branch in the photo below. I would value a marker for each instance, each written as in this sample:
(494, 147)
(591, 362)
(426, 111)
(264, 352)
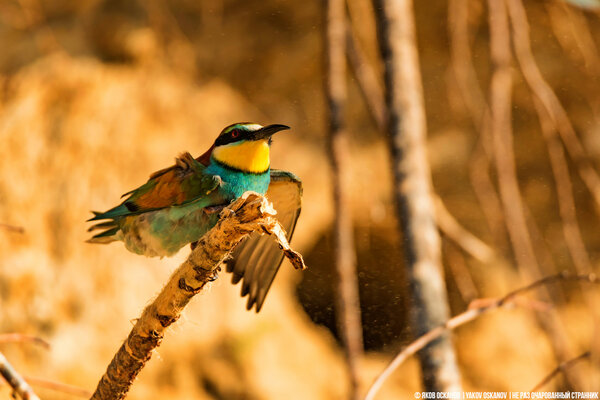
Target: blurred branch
(461, 60)
(58, 386)
(572, 32)
(347, 302)
(545, 94)
(12, 228)
(483, 186)
(23, 338)
(482, 307)
(561, 368)
(248, 214)
(16, 381)
(512, 204)
(413, 188)
(460, 272)
(366, 78)
(564, 189)
(374, 98)
(470, 243)
(502, 137)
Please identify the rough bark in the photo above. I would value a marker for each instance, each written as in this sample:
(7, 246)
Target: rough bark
(249, 213)
(413, 190)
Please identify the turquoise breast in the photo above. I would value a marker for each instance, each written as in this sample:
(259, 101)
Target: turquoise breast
(235, 182)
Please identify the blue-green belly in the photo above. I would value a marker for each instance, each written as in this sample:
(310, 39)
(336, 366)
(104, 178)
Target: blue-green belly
(164, 232)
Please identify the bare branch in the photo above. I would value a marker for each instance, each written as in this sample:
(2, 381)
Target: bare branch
(366, 78)
(347, 301)
(248, 214)
(58, 386)
(564, 190)
(16, 381)
(12, 228)
(467, 316)
(23, 338)
(461, 61)
(460, 272)
(500, 102)
(561, 368)
(543, 91)
(470, 243)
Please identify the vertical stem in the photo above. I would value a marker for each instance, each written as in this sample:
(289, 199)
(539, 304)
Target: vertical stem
(347, 304)
(461, 62)
(502, 137)
(501, 103)
(545, 94)
(407, 128)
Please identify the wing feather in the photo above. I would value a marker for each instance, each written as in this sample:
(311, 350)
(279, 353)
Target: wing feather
(256, 260)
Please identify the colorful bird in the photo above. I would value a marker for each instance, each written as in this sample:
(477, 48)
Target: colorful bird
(179, 204)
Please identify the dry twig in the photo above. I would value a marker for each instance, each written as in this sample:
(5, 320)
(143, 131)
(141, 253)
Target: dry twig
(248, 214)
(23, 338)
(561, 368)
(16, 381)
(472, 313)
(470, 243)
(12, 228)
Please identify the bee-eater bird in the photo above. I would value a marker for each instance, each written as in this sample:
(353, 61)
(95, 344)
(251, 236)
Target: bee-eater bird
(179, 204)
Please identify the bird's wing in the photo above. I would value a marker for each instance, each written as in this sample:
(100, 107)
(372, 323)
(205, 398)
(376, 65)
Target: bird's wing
(257, 259)
(176, 185)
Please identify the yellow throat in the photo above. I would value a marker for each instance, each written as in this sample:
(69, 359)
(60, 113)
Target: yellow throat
(248, 156)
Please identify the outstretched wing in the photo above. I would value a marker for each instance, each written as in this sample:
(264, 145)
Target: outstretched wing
(257, 259)
(176, 185)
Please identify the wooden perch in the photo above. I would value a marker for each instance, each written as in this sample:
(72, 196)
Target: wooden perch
(248, 214)
(16, 381)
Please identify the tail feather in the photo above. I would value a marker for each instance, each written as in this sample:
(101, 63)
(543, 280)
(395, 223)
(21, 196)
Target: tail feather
(104, 237)
(102, 225)
(117, 211)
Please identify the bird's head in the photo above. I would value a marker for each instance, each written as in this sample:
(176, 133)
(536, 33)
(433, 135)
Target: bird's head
(245, 146)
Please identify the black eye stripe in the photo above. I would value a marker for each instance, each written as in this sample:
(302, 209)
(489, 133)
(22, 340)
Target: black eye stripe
(229, 137)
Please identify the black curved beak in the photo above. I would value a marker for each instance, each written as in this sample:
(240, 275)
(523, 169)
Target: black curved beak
(268, 131)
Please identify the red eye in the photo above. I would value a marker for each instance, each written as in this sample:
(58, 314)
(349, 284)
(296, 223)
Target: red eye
(235, 134)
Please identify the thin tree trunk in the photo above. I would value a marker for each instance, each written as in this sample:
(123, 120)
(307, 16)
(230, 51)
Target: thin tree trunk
(347, 304)
(407, 128)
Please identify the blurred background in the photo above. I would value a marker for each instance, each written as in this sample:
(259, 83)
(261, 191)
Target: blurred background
(97, 94)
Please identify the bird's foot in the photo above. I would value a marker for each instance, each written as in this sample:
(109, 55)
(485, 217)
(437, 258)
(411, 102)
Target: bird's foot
(215, 275)
(213, 209)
